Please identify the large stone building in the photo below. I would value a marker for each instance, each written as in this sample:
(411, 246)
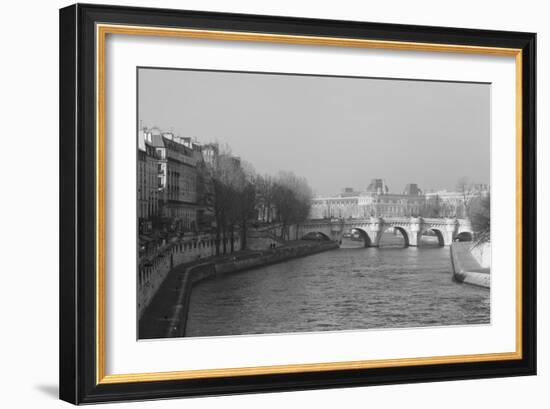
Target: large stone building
(168, 180)
(147, 188)
(210, 152)
(378, 201)
(177, 180)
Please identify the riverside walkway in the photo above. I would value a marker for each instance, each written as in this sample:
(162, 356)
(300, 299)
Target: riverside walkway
(165, 315)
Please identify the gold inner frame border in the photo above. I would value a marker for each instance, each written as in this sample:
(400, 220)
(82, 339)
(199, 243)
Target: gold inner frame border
(102, 30)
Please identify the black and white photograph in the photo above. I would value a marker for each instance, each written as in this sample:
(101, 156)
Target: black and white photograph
(275, 204)
(280, 203)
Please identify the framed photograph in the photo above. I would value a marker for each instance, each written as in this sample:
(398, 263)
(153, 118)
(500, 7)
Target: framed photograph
(257, 203)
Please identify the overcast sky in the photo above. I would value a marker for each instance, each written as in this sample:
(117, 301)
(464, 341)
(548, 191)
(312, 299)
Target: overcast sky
(336, 132)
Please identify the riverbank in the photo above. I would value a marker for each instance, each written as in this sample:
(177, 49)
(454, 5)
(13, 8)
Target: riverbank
(166, 314)
(471, 263)
(347, 289)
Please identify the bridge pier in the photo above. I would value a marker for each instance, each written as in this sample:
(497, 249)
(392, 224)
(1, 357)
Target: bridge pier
(450, 231)
(415, 231)
(376, 229)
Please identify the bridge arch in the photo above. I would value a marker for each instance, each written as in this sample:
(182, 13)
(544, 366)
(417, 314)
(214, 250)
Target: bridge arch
(438, 233)
(402, 230)
(364, 235)
(316, 235)
(464, 236)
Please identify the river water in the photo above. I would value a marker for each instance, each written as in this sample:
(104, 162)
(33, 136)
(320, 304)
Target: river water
(346, 289)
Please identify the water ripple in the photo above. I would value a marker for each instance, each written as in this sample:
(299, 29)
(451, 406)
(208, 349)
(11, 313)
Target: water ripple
(338, 290)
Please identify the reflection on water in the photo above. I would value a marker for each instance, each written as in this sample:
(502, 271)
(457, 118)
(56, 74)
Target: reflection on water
(350, 288)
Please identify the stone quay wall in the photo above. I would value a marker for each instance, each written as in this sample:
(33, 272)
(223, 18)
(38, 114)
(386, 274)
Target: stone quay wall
(185, 250)
(482, 253)
(471, 263)
(198, 273)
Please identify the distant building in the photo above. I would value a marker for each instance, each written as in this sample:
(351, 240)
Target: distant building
(377, 201)
(210, 152)
(377, 186)
(147, 189)
(412, 189)
(349, 192)
(206, 157)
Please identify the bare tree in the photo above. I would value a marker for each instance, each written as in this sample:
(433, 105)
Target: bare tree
(224, 173)
(265, 187)
(292, 199)
(466, 189)
(246, 200)
(432, 207)
(480, 217)
(234, 198)
(446, 210)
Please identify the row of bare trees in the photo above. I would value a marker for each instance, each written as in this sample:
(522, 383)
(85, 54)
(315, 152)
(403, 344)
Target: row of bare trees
(240, 196)
(469, 196)
(434, 206)
(285, 199)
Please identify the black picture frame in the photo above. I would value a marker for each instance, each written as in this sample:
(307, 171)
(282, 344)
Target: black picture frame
(78, 309)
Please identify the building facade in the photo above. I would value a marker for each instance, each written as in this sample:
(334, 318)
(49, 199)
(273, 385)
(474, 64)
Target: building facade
(378, 201)
(147, 189)
(170, 182)
(176, 180)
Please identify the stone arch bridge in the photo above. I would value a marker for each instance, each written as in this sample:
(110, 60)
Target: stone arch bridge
(371, 229)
